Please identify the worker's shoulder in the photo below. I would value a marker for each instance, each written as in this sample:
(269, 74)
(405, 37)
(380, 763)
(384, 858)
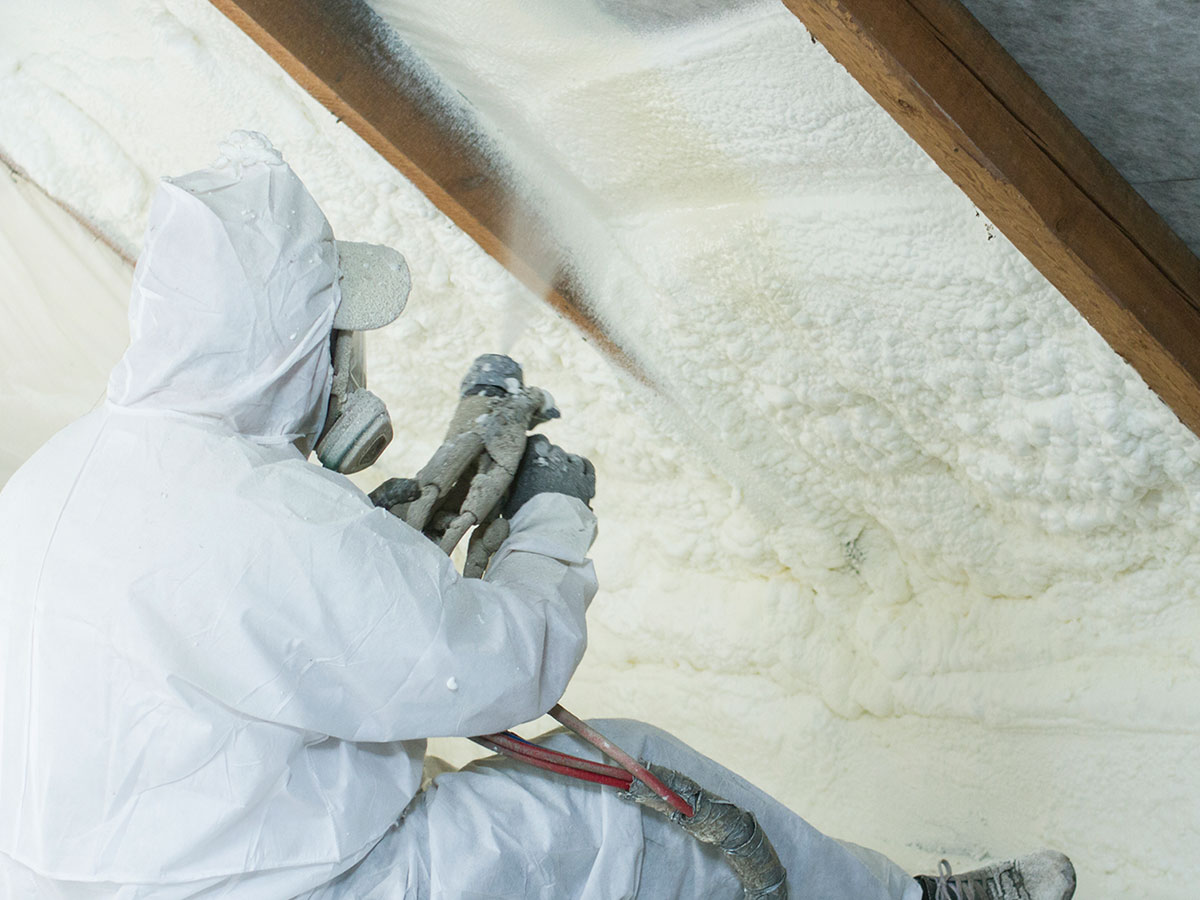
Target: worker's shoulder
(308, 490)
(48, 471)
(207, 467)
(297, 502)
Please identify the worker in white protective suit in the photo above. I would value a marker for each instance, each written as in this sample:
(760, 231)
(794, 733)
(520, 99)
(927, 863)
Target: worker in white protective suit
(219, 661)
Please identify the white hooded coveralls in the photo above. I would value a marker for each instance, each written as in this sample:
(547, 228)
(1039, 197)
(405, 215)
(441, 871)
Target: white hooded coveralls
(219, 661)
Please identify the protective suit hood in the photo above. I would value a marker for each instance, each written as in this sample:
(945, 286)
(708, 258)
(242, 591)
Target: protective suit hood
(233, 301)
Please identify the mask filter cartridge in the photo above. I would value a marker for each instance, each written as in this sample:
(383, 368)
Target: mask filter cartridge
(357, 425)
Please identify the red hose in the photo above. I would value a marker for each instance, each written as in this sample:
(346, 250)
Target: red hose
(518, 744)
(515, 747)
(627, 762)
(562, 769)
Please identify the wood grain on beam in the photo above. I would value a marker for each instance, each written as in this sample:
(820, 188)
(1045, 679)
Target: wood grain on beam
(984, 121)
(346, 57)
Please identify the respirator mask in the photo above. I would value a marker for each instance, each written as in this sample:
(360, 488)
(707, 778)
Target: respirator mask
(374, 285)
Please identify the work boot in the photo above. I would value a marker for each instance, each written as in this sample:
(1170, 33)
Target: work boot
(1045, 875)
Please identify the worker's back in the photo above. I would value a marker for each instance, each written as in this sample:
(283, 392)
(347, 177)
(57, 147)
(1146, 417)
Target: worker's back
(150, 733)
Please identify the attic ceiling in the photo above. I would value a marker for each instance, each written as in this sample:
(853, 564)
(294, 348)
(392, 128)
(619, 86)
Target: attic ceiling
(900, 537)
(930, 66)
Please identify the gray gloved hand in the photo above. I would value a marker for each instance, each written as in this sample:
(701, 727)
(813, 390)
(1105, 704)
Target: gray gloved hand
(396, 492)
(548, 469)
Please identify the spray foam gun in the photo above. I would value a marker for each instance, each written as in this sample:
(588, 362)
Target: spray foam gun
(463, 486)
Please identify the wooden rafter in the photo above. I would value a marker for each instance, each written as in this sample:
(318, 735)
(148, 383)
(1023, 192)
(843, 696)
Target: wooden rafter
(985, 122)
(343, 54)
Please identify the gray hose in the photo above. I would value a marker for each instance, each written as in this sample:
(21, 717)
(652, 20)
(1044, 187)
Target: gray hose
(733, 831)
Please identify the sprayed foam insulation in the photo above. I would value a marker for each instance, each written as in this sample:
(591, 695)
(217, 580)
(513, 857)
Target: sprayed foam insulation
(900, 538)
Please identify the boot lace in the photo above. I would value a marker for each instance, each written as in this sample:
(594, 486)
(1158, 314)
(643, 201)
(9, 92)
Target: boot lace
(944, 884)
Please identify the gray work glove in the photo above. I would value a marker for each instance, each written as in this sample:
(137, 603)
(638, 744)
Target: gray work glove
(548, 469)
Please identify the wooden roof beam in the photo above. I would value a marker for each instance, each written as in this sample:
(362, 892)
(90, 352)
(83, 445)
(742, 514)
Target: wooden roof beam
(984, 121)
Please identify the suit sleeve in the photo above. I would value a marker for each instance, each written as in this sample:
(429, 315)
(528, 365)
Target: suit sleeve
(343, 621)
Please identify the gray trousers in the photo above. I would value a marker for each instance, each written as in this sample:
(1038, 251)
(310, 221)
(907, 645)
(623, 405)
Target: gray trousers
(499, 829)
